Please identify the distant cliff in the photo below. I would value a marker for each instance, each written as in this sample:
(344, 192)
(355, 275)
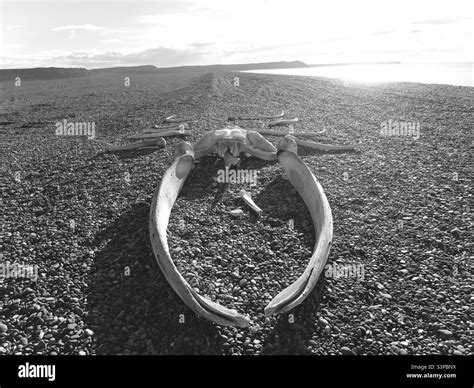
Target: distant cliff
(39, 73)
(232, 67)
(43, 73)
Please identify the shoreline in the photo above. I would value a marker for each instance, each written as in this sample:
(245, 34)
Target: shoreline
(365, 73)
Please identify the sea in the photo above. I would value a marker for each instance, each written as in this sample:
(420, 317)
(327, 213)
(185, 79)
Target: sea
(461, 74)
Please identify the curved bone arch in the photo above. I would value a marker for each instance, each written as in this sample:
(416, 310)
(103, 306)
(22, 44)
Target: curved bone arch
(235, 140)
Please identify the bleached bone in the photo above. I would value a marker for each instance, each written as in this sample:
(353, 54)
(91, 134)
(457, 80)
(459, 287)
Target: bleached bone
(172, 119)
(180, 127)
(148, 143)
(234, 139)
(157, 128)
(163, 200)
(159, 134)
(282, 122)
(246, 196)
(263, 117)
(313, 195)
(298, 134)
(327, 147)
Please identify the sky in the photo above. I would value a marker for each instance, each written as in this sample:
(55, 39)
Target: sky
(165, 33)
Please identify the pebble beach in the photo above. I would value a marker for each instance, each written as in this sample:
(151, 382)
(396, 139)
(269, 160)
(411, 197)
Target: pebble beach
(79, 215)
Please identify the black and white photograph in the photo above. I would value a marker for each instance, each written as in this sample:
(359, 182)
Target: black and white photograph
(252, 178)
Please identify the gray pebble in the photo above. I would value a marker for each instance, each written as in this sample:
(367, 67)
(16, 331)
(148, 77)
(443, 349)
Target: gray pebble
(346, 351)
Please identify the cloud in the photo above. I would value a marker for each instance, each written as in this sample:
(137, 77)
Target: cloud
(84, 27)
(377, 33)
(441, 21)
(167, 7)
(200, 44)
(112, 40)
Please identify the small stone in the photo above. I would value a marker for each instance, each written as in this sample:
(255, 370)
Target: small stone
(236, 212)
(24, 341)
(3, 328)
(346, 351)
(327, 329)
(82, 353)
(323, 321)
(89, 332)
(71, 326)
(243, 283)
(445, 334)
(456, 233)
(457, 353)
(387, 296)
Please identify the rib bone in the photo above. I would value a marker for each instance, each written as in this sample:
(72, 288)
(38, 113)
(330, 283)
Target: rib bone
(148, 143)
(172, 119)
(327, 147)
(283, 122)
(168, 128)
(313, 195)
(299, 134)
(248, 117)
(159, 134)
(163, 200)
